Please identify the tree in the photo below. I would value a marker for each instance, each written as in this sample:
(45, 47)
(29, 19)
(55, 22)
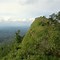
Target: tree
(53, 16)
(58, 16)
(18, 37)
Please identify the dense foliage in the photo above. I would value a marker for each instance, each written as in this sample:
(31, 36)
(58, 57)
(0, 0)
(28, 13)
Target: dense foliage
(18, 37)
(55, 16)
(41, 42)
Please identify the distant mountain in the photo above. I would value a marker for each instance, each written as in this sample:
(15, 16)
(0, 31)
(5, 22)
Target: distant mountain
(7, 32)
(14, 24)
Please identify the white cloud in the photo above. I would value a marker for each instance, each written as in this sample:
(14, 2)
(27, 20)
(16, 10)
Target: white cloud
(25, 2)
(24, 9)
(14, 19)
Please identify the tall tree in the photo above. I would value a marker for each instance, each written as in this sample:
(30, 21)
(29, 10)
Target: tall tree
(18, 37)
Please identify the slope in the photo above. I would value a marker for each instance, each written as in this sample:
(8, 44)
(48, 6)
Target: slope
(42, 42)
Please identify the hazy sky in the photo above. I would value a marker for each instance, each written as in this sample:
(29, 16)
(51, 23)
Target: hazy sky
(23, 10)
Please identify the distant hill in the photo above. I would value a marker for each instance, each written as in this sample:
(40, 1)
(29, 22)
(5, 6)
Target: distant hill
(41, 42)
(7, 34)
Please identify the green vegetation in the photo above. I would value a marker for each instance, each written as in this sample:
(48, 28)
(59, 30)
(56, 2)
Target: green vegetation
(41, 42)
(55, 16)
(10, 46)
(18, 37)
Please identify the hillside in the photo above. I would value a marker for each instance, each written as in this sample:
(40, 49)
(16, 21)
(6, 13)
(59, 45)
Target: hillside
(41, 42)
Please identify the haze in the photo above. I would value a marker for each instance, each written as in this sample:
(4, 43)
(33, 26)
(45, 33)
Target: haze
(17, 10)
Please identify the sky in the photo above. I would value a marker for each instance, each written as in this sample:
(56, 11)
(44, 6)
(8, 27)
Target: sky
(26, 10)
